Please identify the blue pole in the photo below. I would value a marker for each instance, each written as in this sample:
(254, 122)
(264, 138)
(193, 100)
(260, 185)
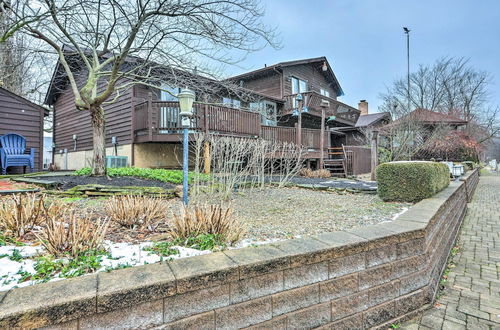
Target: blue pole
(185, 159)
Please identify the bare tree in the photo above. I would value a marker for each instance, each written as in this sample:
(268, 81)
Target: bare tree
(106, 46)
(22, 63)
(449, 86)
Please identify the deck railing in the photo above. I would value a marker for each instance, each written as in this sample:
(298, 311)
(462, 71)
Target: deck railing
(141, 117)
(342, 112)
(154, 118)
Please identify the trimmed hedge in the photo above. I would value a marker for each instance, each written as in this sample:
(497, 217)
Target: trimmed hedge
(409, 181)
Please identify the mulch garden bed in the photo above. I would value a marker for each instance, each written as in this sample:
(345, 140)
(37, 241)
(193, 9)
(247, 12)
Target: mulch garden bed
(70, 181)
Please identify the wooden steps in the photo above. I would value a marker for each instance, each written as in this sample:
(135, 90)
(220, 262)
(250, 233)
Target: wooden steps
(335, 162)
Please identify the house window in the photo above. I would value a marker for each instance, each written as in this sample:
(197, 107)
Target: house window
(298, 86)
(324, 92)
(267, 110)
(169, 93)
(232, 103)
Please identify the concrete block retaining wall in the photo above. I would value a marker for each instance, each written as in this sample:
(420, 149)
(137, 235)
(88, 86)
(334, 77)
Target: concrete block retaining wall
(366, 277)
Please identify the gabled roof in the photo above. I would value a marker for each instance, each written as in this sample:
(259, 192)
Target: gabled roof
(60, 79)
(277, 66)
(370, 119)
(426, 116)
(25, 100)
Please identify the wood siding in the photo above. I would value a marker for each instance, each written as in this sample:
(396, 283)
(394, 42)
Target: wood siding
(68, 121)
(270, 84)
(20, 116)
(311, 73)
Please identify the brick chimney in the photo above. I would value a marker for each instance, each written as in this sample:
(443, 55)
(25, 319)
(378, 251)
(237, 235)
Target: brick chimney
(363, 107)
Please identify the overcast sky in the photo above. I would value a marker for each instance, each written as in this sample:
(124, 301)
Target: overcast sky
(365, 44)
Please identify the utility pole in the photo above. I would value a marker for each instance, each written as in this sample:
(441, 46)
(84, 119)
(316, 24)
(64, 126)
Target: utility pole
(407, 32)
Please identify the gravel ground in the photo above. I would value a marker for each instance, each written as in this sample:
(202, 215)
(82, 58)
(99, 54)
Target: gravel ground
(292, 212)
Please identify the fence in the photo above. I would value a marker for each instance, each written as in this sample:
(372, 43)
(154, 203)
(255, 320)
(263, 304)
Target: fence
(357, 160)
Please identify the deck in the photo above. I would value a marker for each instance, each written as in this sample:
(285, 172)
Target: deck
(340, 113)
(159, 121)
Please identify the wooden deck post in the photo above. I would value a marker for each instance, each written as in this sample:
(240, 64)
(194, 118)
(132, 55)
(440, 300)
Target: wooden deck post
(299, 124)
(322, 140)
(374, 154)
(150, 116)
(206, 151)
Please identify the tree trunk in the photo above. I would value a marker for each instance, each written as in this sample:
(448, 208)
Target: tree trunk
(99, 140)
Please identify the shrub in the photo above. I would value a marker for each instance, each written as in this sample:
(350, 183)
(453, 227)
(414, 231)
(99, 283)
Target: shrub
(308, 173)
(74, 236)
(384, 155)
(20, 214)
(194, 223)
(411, 181)
(470, 165)
(136, 211)
(171, 176)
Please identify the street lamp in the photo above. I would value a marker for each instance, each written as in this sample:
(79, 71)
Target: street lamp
(407, 32)
(186, 98)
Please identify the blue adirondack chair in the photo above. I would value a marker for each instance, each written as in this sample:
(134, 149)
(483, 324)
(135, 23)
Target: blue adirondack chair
(12, 152)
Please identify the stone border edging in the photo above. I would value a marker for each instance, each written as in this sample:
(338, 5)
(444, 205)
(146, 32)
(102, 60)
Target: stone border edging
(401, 259)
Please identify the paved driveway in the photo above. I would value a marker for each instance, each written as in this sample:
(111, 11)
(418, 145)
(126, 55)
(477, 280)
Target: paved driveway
(471, 298)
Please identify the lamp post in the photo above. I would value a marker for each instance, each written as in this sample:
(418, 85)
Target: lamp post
(407, 32)
(186, 98)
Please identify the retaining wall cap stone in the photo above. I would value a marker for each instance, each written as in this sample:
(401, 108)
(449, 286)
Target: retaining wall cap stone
(203, 271)
(125, 287)
(376, 235)
(408, 229)
(43, 304)
(254, 261)
(305, 251)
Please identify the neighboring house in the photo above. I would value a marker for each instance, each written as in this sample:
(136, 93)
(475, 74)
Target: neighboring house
(360, 134)
(21, 116)
(47, 152)
(420, 132)
(144, 121)
(430, 119)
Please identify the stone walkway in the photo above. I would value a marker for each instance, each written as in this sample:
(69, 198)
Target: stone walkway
(471, 298)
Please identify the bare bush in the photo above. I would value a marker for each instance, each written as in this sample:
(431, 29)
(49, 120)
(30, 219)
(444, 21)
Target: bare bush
(20, 214)
(207, 219)
(308, 173)
(244, 163)
(136, 211)
(73, 236)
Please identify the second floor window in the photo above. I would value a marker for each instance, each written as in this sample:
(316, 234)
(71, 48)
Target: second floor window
(232, 103)
(298, 86)
(169, 93)
(324, 92)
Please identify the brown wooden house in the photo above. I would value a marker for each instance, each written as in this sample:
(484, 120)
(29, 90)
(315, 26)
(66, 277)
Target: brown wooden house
(21, 116)
(145, 124)
(360, 133)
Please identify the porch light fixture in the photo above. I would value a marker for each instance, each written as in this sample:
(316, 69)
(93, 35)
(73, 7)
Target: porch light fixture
(186, 98)
(324, 67)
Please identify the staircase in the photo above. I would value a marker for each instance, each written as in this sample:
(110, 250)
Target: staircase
(335, 162)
